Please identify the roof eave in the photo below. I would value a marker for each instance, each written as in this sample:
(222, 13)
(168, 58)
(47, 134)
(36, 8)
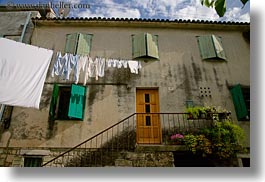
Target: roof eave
(133, 22)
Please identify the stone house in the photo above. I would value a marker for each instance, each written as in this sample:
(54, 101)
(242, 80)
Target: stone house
(183, 63)
(16, 24)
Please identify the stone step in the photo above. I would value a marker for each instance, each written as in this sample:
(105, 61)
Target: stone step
(159, 148)
(123, 163)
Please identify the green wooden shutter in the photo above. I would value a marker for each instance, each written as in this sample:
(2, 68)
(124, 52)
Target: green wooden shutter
(239, 102)
(138, 46)
(152, 45)
(71, 43)
(53, 104)
(77, 102)
(206, 47)
(84, 44)
(220, 53)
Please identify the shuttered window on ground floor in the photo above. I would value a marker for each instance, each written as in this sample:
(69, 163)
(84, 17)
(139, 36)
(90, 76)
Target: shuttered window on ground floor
(68, 103)
(241, 100)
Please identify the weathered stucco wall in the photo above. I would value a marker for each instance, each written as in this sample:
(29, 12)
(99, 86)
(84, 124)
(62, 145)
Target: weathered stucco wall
(180, 75)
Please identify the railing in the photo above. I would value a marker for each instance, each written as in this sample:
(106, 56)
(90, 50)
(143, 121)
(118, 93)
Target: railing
(139, 128)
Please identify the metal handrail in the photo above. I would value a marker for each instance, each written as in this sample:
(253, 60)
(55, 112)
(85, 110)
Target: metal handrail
(106, 130)
(71, 149)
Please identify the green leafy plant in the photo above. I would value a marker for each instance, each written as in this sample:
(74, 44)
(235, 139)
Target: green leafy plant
(217, 112)
(190, 141)
(222, 141)
(218, 5)
(195, 112)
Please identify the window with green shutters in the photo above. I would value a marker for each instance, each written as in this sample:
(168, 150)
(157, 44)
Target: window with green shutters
(68, 103)
(145, 46)
(84, 44)
(241, 100)
(78, 43)
(138, 45)
(77, 102)
(211, 47)
(71, 43)
(55, 93)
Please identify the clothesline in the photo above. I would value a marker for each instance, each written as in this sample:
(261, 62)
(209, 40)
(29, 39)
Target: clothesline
(89, 67)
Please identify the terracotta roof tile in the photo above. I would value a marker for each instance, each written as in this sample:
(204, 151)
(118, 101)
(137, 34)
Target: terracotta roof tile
(143, 20)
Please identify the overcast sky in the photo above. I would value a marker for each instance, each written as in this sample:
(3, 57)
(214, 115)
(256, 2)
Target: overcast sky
(154, 9)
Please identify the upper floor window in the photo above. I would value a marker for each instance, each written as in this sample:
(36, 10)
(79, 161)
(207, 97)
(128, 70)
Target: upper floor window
(211, 47)
(145, 46)
(78, 43)
(241, 99)
(68, 102)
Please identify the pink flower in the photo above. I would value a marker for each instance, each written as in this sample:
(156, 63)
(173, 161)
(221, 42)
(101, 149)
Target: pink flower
(177, 136)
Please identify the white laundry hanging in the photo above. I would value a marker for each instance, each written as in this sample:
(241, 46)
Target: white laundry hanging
(119, 64)
(134, 66)
(23, 70)
(81, 66)
(93, 68)
(109, 62)
(63, 65)
(58, 64)
(112, 62)
(122, 63)
(101, 67)
(70, 64)
(116, 63)
(125, 63)
(55, 68)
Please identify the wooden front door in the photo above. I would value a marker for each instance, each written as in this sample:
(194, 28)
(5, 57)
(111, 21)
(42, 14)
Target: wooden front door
(148, 130)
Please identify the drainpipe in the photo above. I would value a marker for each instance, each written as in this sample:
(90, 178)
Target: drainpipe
(2, 107)
(25, 27)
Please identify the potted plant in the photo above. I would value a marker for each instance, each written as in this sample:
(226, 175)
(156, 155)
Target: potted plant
(196, 112)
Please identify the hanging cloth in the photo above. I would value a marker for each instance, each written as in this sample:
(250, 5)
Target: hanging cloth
(101, 67)
(71, 63)
(134, 66)
(23, 70)
(80, 67)
(60, 65)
